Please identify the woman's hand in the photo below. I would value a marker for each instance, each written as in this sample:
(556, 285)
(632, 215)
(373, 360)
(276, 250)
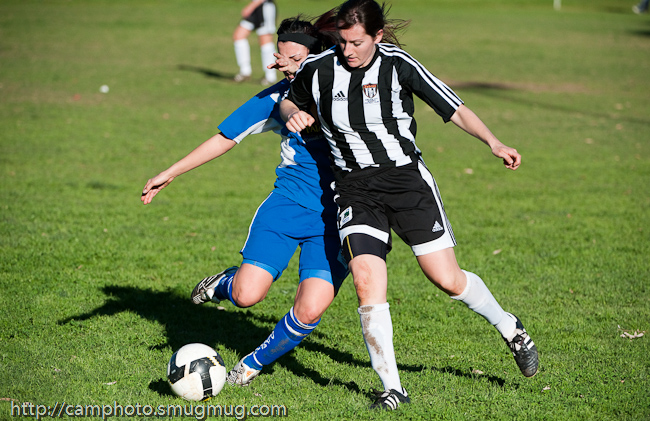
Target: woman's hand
(154, 185)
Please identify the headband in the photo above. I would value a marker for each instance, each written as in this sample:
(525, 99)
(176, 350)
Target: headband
(302, 39)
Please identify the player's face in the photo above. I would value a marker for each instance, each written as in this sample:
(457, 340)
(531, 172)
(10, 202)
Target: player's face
(294, 53)
(357, 46)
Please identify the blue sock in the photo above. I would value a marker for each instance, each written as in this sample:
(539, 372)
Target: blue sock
(286, 335)
(223, 290)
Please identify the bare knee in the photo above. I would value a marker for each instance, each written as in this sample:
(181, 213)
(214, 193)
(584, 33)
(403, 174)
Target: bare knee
(363, 283)
(370, 279)
(307, 314)
(246, 298)
(240, 33)
(442, 269)
(451, 283)
(250, 285)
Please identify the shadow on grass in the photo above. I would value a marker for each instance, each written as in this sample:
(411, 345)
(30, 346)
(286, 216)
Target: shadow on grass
(645, 32)
(504, 92)
(240, 331)
(641, 32)
(206, 72)
(459, 373)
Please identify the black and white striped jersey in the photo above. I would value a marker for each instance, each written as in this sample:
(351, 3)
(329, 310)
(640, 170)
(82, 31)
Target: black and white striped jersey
(367, 113)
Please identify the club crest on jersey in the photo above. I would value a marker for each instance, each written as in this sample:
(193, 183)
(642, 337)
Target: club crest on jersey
(370, 94)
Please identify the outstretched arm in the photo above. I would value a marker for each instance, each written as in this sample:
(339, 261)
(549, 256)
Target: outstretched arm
(468, 121)
(212, 148)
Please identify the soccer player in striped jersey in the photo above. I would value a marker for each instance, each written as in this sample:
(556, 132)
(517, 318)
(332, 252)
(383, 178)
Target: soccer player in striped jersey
(363, 90)
(300, 211)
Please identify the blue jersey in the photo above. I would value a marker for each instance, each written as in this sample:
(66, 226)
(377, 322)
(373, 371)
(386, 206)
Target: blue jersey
(304, 174)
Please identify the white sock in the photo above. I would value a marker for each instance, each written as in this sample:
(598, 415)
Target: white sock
(243, 56)
(478, 298)
(267, 58)
(377, 328)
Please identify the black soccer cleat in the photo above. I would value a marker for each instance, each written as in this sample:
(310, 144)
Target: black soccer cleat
(523, 349)
(389, 399)
(204, 290)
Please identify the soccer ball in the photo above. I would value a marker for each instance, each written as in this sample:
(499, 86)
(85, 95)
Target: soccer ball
(196, 372)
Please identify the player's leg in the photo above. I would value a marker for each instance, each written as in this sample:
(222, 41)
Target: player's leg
(433, 248)
(266, 253)
(244, 286)
(267, 49)
(265, 34)
(322, 271)
(251, 283)
(370, 277)
(243, 51)
(321, 274)
(443, 271)
(313, 297)
(365, 240)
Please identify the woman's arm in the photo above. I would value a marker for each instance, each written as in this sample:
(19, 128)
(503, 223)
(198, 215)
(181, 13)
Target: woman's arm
(468, 121)
(212, 148)
(296, 120)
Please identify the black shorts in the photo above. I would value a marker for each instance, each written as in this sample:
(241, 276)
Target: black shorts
(262, 20)
(405, 199)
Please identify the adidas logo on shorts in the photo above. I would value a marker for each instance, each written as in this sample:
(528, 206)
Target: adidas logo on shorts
(437, 227)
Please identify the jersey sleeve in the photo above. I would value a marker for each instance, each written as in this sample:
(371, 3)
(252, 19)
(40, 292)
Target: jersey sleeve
(254, 116)
(440, 97)
(300, 89)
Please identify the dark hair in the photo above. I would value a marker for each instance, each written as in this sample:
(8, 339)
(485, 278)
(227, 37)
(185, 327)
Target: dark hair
(300, 30)
(372, 16)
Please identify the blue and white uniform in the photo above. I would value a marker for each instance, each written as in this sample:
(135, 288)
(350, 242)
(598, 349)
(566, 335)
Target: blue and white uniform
(300, 211)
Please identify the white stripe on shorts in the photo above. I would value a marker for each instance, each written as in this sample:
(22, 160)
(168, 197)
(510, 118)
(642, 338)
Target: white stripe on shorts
(268, 27)
(447, 240)
(363, 229)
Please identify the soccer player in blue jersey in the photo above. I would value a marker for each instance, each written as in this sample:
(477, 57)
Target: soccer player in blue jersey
(300, 211)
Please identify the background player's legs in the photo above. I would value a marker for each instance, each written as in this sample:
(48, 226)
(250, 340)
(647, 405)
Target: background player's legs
(266, 35)
(267, 48)
(242, 53)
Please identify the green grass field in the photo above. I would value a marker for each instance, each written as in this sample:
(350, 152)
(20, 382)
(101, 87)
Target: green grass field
(94, 286)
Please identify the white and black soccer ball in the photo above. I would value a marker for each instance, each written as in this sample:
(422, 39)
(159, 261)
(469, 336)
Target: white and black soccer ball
(196, 372)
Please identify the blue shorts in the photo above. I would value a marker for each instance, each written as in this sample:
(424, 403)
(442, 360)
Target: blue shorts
(281, 225)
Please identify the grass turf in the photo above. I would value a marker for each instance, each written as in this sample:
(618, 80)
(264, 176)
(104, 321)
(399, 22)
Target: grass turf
(95, 286)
